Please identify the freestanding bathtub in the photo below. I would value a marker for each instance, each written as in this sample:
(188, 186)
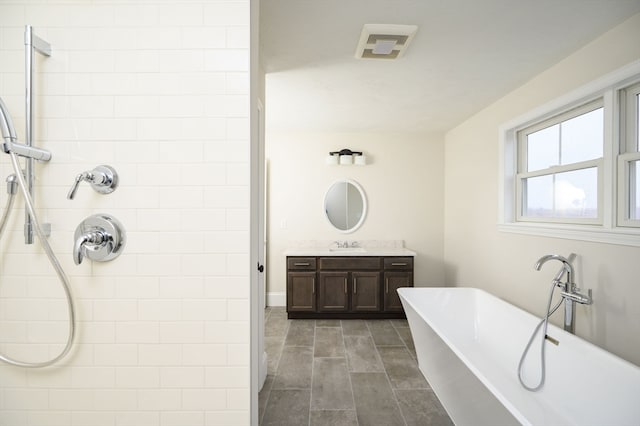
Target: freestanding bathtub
(469, 343)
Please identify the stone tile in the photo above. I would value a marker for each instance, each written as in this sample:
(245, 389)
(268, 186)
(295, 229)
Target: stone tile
(328, 323)
(383, 333)
(294, 368)
(363, 373)
(333, 418)
(263, 396)
(375, 401)
(399, 323)
(421, 407)
(328, 342)
(413, 353)
(362, 356)
(287, 408)
(273, 347)
(331, 388)
(300, 333)
(401, 368)
(276, 326)
(405, 335)
(355, 328)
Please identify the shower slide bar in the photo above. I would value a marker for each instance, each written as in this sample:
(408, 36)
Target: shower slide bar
(32, 44)
(11, 146)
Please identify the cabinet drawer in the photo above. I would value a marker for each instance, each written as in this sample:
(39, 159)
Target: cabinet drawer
(398, 263)
(301, 263)
(349, 263)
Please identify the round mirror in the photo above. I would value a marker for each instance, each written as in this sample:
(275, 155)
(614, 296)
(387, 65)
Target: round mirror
(345, 205)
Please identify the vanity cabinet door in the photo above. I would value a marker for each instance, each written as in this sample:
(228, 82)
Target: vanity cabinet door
(392, 282)
(301, 291)
(365, 291)
(333, 291)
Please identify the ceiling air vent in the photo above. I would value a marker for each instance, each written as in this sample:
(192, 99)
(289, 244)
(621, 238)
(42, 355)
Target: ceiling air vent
(384, 41)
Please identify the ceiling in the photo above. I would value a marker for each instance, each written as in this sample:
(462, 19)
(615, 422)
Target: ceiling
(465, 55)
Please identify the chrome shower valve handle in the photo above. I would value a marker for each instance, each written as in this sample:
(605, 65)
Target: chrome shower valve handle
(94, 238)
(99, 237)
(103, 179)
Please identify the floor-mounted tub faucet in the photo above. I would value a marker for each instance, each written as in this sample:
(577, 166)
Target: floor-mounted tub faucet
(570, 292)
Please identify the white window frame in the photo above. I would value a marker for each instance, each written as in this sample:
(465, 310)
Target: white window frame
(629, 152)
(523, 174)
(610, 228)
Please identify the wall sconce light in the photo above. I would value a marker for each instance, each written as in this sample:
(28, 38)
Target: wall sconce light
(346, 157)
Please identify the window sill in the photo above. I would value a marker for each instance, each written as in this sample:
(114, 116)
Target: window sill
(619, 236)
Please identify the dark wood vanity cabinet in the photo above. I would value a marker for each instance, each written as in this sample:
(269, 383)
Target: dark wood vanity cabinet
(398, 273)
(347, 287)
(365, 295)
(333, 291)
(301, 284)
(357, 291)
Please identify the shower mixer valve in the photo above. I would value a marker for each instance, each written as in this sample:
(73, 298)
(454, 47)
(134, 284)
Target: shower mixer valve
(99, 237)
(103, 179)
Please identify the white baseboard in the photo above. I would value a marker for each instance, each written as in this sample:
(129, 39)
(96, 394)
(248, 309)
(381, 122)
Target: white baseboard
(277, 299)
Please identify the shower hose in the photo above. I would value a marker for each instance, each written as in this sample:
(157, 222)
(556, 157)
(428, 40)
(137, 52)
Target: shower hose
(54, 262)
(543, 323)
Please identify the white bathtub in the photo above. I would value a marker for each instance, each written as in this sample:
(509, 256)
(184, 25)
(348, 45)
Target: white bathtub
(469, 342)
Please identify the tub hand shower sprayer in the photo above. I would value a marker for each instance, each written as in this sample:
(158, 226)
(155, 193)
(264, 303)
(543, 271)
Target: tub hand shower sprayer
(13, 148)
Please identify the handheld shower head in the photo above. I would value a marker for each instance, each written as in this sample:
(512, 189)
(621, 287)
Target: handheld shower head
(6, 125)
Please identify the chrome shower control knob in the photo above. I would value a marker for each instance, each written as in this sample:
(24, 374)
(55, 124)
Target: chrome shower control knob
(103, 179)
(99, 237)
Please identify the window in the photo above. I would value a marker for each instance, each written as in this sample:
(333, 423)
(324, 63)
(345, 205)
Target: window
(629, 159)
(560, 164)
(571, 168)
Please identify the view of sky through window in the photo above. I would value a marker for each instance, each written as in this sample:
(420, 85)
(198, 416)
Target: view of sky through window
(569, 194)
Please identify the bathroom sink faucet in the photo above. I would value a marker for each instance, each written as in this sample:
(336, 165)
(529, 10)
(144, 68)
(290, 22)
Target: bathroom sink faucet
(570, 292)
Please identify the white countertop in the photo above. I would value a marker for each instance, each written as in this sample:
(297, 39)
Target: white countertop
(352, 251)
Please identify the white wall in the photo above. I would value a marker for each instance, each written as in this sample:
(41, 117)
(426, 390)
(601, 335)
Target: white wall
(478, 255)
(403, 184)
(158, 90)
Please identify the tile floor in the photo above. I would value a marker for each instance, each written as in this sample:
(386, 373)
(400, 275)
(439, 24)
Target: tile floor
(343, 373)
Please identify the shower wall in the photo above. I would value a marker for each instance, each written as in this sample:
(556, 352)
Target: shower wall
(158, 90)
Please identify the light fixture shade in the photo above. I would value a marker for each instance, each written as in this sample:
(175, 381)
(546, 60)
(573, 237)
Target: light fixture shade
(360, 160)
(346, 160)
(332, 160)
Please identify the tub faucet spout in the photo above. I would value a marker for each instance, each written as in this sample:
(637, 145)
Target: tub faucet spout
(567, 268)
(570, 292)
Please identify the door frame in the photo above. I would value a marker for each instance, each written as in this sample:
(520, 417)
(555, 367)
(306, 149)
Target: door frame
(258, 362)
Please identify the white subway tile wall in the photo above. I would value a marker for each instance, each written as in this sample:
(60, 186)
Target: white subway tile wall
(159, 90)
